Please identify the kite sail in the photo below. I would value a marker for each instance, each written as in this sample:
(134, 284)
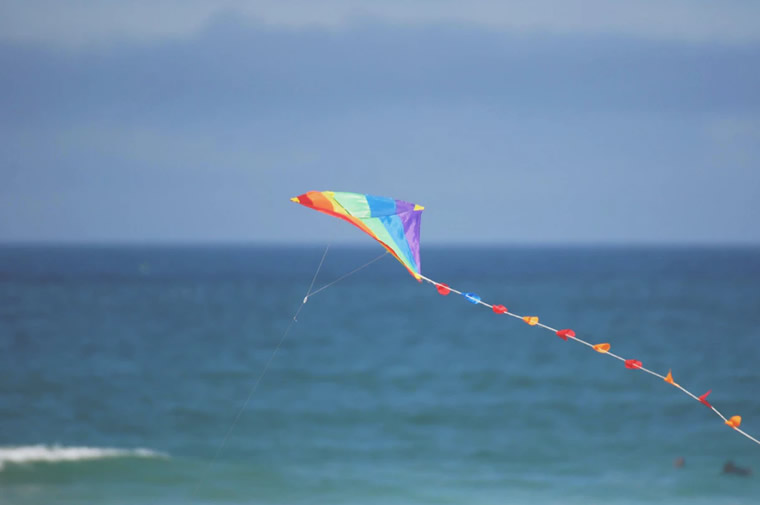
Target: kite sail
(393, 223)
(396, 225)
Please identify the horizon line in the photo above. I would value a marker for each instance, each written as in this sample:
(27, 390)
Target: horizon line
(370, 244)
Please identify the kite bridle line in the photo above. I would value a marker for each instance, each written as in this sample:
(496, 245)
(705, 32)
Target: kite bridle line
(607, 352)
(352, 272)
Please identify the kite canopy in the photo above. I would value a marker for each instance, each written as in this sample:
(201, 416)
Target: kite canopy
(393, 223)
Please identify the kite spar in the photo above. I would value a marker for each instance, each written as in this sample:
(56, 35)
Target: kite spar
(396, 225)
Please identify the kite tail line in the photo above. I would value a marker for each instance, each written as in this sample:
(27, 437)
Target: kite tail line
(396, 225)
(602, 348)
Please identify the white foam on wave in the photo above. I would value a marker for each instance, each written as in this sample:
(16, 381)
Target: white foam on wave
(56, 453)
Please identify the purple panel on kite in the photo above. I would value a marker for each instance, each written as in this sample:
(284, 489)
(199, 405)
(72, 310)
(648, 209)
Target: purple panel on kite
(411, 221)
(402, 206)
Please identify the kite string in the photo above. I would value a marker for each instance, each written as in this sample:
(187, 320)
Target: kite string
(277, 348)
(612, 355)
(293, 320)
(255, 386)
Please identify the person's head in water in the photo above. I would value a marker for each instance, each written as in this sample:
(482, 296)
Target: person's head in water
(679, 462)
(729, 467)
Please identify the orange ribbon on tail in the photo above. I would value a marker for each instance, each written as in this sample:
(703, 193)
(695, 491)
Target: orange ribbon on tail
(669, 379)
(531, 320)
(734, 422)
(602, 348)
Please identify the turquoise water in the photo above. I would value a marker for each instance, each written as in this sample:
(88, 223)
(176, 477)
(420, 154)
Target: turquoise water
(122, 370)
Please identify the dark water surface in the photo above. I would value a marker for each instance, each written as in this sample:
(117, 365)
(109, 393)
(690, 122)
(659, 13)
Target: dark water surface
(123, 368)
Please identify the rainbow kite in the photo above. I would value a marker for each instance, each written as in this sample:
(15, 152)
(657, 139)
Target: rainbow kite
(393, 223)
(396, 225)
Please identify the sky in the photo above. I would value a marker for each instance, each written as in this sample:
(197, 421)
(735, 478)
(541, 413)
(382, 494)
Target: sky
(544, 121)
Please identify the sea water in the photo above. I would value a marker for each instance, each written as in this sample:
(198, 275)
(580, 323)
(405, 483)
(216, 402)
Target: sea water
(148, 375)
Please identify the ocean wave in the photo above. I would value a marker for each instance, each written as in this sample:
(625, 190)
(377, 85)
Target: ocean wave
(58, 454)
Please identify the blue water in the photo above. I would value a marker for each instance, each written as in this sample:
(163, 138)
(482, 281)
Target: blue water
(383, 392)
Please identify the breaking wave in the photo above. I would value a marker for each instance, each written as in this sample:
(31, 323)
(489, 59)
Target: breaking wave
(29, 454)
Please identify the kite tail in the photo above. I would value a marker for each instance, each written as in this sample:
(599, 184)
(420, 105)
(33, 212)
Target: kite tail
(602, 348)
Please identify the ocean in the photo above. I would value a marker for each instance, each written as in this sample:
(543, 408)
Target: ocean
(133, 375)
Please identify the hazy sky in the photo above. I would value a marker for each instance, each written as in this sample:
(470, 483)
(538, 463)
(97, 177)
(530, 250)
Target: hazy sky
(532, 121)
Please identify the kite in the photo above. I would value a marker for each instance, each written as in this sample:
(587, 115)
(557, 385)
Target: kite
(396, 225)
(393, 223)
